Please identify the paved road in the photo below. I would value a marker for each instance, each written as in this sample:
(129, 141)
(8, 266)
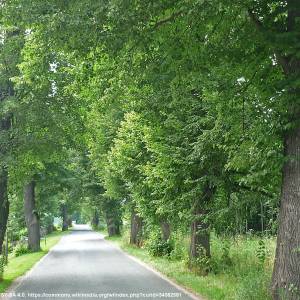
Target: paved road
(85, 266)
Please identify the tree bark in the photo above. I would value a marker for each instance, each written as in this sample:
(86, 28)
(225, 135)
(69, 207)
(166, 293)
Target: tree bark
(200, 233)
(165, 230)
(113, 226)
(50, 228)
(64, 211)
(136, 229)
(5, 125)
(4, 205)
(31, 217)
(95, 220)
(286, 274)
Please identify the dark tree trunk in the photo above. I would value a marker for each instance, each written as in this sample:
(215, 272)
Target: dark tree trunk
(95, 220)
(200, 233)
(49, 229)
(112, 223)
(136, 229)
(286, 274)
(64, 211)
(5, 125)
(113, 226)
(111, 210)
(165, 230)
(69, 222)
(4, 205)
(31, 217)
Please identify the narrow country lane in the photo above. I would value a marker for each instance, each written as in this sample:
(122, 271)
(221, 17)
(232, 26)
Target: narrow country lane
(85, 266)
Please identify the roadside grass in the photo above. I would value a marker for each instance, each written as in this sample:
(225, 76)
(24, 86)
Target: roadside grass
(18, 266)
(240, 272)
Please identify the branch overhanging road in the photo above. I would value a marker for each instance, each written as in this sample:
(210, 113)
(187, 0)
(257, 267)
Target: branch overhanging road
(85, 266)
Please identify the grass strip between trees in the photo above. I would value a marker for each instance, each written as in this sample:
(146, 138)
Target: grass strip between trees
(18, 266)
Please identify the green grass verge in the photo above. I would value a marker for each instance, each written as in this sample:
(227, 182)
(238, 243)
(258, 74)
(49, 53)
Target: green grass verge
(18, 266)
(246, 278)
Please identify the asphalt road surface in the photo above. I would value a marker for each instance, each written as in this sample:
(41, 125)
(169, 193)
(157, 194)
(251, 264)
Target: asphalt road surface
(85, 266)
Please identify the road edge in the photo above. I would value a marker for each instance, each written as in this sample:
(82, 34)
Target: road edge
(171, 281)
(18, 281)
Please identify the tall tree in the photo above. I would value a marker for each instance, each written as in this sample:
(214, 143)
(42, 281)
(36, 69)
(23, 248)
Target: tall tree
(10, 47)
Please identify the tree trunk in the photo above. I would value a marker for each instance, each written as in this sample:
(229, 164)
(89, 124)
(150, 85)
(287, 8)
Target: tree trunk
(95, 220)
(49, 228)
(5, 125)
(200, 236)
(136, 229)
(165, 230)
(200, 233)
(4, 205)
(64, 211)
(286, 274)
(31, 217)
(113, 226)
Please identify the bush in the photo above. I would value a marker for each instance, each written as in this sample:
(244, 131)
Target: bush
(221, 259)
(21, 249)
(18, 234)
(157, 247)
(180, 247)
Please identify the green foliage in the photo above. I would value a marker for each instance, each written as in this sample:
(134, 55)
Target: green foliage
(202, 264)
(256, 285)
(21, 249)
(111, 114)
(226, 259)
(156, 246)
(181, 245)
(261, 251)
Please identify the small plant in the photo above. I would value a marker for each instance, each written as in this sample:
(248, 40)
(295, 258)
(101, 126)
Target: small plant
(226, 259)
(180, 251)
(21, 249)
(261, 252)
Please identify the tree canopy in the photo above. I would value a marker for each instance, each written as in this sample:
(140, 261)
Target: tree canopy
(182, 114)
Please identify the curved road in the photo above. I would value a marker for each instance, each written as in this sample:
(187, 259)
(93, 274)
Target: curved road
(85, 266)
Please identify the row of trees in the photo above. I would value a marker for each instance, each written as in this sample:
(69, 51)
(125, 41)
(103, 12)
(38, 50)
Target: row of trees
(186, 114)
(36, 138)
